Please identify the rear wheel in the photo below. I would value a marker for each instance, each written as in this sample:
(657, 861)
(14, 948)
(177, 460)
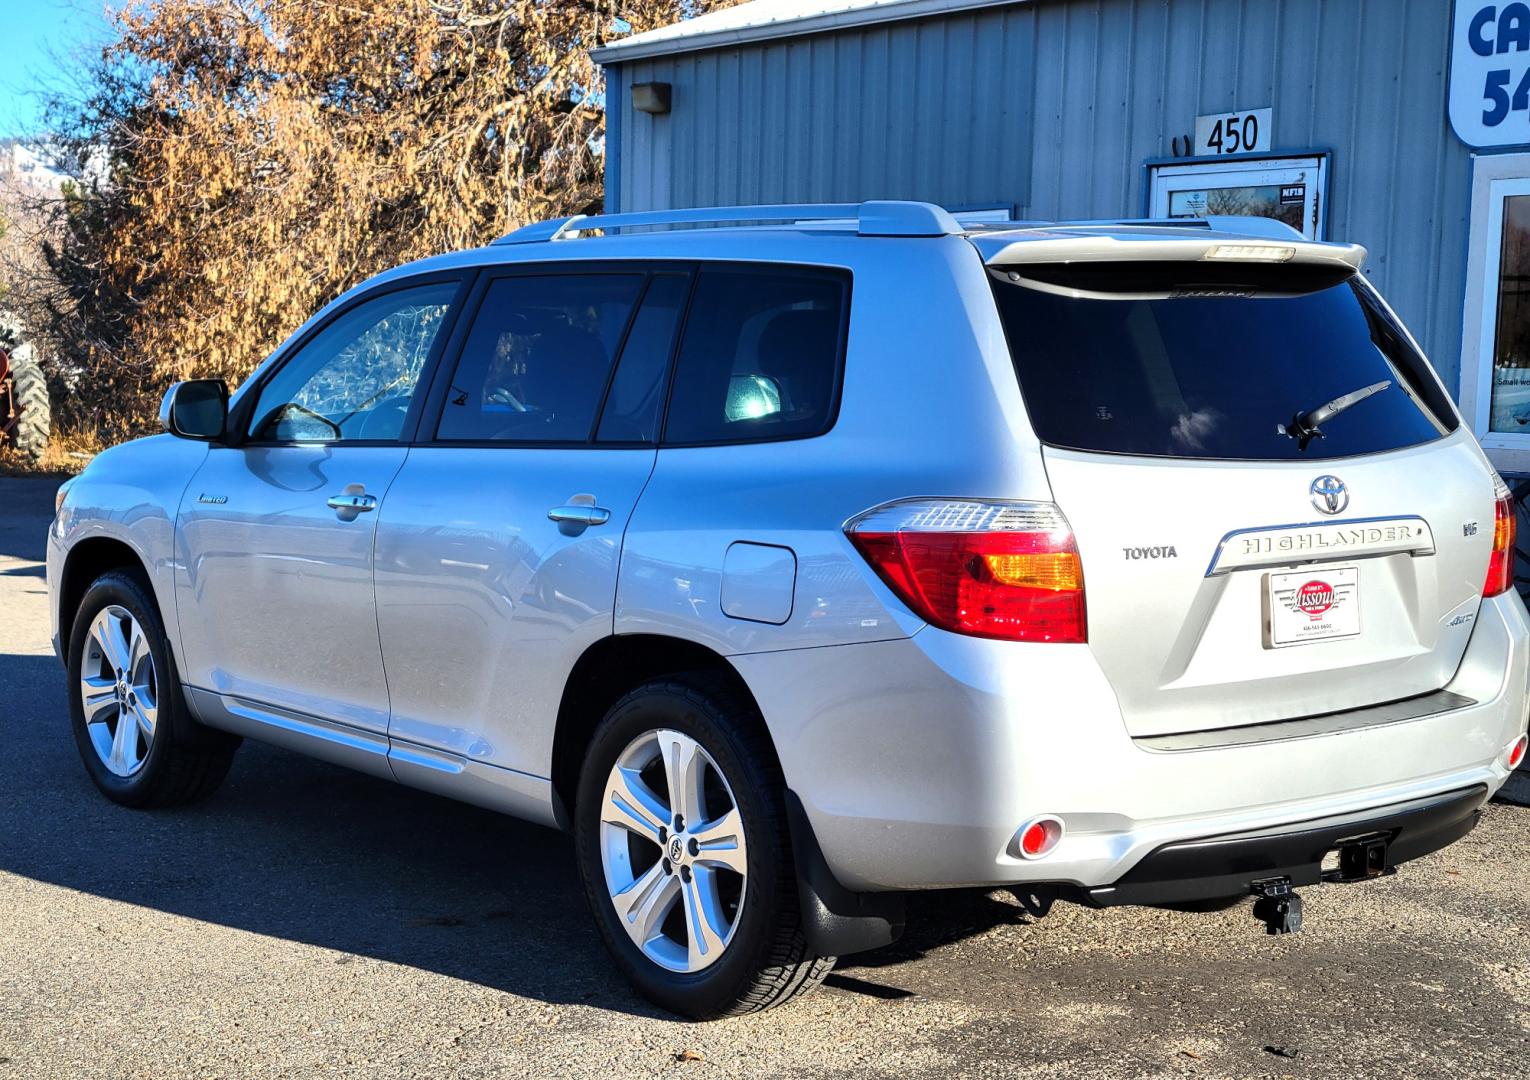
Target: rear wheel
(138, 743)
(685, 856)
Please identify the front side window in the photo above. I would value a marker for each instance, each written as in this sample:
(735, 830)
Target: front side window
(535, 365)
(354, 379)
(760, 357)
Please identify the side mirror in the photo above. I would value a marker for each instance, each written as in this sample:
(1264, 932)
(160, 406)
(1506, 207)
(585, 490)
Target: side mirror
(195, 409)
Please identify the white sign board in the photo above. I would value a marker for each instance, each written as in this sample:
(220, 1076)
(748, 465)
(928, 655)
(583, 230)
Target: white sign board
(1233, 133)
(1490, 73)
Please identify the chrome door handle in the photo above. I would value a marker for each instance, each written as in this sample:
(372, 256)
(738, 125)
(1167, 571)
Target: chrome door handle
(357, 504)
(574, 514)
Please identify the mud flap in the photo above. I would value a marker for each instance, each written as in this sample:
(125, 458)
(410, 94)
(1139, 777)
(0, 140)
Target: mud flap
(837, 922)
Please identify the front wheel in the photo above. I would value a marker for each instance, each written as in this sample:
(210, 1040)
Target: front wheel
(138, 744)
(685, 855)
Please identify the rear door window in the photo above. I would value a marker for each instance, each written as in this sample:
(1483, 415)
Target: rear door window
(535, 365)
(760, 357)
(632, 407)
(1141, 363)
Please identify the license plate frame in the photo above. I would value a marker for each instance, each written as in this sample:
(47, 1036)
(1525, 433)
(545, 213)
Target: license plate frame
(1305, 607)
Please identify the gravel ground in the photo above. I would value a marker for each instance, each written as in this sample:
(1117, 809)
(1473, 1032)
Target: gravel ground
(308, 921)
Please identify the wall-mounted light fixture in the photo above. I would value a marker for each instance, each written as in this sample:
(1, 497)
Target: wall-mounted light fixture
(651, 97)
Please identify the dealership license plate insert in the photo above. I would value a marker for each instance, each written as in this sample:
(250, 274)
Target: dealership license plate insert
(1318, 604)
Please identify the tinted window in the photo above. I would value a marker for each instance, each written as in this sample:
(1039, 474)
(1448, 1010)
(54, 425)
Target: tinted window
(354, 378)
(1215, 375)
(633, 405)
(759, 359)
(535, 363)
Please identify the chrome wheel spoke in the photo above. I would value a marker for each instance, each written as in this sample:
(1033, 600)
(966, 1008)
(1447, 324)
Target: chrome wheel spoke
(645, 903)
(145, 717)
(720, 843)
(704, 920)
(124, 752)
(684, 769)
(140, 663)
(107, 631)
(630, 805)
(99, 695)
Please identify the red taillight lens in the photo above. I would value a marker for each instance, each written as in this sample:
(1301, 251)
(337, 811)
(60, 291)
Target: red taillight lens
(1500, 575)
(998, 570)
(1517, 751)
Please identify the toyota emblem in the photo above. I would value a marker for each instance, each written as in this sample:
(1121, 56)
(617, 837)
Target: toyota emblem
(1329, 495)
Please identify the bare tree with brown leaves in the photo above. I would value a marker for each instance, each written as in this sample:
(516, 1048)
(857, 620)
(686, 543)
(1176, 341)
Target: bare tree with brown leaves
(261, 156)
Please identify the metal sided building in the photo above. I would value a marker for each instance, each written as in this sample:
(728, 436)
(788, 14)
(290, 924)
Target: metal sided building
(1403, 125)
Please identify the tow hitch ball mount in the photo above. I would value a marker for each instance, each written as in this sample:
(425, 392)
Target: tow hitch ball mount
(1361, 858)
(1277, 906)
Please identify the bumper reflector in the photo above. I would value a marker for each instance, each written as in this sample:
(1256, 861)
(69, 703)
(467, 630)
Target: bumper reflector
(1037, 838)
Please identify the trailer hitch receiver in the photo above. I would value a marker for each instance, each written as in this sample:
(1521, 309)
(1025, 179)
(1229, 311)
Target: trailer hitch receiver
(1277, 906)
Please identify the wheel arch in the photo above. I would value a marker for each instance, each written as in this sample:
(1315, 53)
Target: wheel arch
(86, 561)
(837, 922)
(605, 671)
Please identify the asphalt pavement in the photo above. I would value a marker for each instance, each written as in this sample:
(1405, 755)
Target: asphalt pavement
(307, 921)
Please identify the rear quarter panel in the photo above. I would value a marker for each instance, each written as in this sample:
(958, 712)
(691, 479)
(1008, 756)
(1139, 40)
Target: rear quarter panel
(930, 406)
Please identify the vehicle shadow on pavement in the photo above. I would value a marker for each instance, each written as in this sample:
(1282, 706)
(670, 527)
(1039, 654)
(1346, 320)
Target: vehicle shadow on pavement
(301, 850)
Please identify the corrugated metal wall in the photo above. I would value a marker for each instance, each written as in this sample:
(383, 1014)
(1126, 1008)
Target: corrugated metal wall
(1054, 105)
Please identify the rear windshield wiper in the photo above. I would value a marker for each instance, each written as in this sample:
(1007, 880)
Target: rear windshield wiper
(1306, 426)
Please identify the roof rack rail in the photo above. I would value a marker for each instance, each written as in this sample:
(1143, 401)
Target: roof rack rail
(875, 218)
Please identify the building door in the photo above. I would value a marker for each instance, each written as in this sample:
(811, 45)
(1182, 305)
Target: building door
(1288, 189)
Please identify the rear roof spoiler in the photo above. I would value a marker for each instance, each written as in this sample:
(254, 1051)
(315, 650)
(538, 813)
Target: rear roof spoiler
(1158, 243)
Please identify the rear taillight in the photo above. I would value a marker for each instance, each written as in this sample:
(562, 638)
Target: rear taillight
(1500, 575)
(991, 569)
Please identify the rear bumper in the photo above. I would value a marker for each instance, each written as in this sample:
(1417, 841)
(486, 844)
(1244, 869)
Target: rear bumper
(917, 760)
(1223, 866)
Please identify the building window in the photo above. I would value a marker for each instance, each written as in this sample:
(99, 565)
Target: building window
(1495, 348)
(1288, 189)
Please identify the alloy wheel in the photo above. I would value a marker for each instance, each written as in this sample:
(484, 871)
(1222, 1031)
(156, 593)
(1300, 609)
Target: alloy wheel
(672, 846)
(119, 690)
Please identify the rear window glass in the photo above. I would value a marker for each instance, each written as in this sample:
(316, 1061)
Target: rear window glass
(1161, 370)
(759, 358)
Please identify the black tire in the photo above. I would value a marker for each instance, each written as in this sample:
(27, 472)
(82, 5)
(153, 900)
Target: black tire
(768, 961)
(185, 760)
(31, 398)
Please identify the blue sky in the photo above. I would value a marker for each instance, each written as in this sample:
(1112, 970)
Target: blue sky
(39, 41)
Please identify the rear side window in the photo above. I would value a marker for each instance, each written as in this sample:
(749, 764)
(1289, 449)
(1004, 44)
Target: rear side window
(760, 357)
(535, 364)
(1215, 372)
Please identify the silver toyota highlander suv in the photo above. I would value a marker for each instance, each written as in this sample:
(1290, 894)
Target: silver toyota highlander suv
(795, 566)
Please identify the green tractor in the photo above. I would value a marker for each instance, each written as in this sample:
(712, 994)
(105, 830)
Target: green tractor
(24, 417)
